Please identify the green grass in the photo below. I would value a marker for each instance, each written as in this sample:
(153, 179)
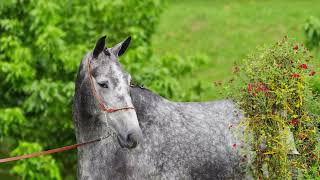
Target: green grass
(227, 31)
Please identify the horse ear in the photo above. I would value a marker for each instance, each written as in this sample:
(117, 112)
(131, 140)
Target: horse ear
(99, 46)
(121, 48)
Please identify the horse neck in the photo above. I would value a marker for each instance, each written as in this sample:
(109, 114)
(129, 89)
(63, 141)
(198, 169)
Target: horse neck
(150, 107)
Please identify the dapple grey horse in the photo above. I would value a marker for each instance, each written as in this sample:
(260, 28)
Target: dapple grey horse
(159, 139)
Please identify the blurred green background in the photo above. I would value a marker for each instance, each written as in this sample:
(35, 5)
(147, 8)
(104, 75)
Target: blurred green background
(227, 31)
(180, 49)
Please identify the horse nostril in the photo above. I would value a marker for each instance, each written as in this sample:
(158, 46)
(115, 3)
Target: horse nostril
(132, 140)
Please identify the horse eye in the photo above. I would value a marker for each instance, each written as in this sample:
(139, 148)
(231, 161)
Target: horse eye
(103, 84)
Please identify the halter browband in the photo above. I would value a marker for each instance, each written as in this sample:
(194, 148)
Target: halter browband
(102, 106)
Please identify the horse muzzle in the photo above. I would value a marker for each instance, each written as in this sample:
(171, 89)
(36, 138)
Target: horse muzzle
(131, 141)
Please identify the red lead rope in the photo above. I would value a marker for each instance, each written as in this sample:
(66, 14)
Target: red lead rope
(66, 148)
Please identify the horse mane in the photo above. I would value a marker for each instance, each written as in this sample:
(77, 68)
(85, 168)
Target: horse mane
(144, 90)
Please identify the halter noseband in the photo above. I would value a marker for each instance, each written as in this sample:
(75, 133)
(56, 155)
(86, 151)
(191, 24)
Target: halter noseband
(102, 106)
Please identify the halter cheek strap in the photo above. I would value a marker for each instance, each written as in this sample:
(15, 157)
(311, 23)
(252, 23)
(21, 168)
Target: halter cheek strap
(102, 105)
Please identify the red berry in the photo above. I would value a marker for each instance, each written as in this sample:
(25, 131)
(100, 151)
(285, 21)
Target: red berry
(312, 73)
(303, 66)
(295, 75)
(294, 122)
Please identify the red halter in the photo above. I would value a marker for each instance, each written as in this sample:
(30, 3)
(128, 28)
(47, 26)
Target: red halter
(102, 106)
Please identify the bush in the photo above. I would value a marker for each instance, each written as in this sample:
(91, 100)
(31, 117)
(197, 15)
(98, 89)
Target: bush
(276, 100)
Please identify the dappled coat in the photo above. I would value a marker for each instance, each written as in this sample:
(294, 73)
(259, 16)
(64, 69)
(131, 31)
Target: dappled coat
(180, 141)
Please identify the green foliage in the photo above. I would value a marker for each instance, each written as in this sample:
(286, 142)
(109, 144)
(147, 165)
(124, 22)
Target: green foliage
(312, 33)
(276, 100)
(38, 168)
(316, 84)
(10, 121)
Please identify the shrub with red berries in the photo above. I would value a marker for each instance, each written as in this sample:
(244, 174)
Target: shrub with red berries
(276, 99)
